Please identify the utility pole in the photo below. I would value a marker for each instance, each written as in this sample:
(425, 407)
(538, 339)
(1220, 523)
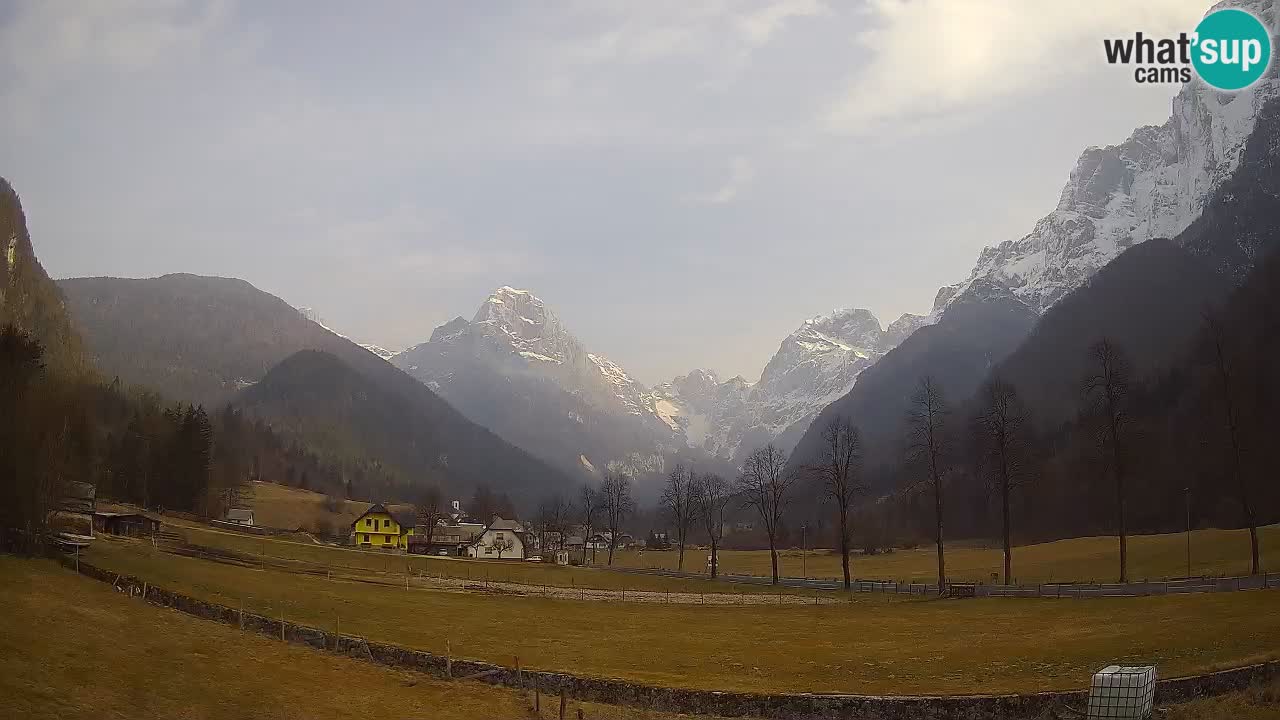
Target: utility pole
(804, 564)
(1186, 491)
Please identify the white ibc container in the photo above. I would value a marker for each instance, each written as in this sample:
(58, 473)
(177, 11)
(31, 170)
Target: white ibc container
(1119, 691)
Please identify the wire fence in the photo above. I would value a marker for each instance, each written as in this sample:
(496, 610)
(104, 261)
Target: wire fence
(1142, 588)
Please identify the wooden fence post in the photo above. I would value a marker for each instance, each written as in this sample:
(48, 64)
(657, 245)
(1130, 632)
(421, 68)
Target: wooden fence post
(448, 660)
(562, 703)
(537, 695)
(519, 674)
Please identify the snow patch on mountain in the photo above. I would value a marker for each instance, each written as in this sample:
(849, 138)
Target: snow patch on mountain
(314, 316)
(813, 366)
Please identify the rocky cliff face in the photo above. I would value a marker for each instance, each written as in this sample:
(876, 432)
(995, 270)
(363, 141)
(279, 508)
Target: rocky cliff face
(29, 300)
(1154, 184)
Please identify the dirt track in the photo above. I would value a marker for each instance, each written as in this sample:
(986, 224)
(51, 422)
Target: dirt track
(637, 596)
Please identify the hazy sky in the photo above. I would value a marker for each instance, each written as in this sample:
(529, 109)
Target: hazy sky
(683, 182)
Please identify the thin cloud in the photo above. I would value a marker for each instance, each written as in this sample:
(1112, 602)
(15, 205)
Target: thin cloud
(760, 25)
(932, 58)
(741, 173)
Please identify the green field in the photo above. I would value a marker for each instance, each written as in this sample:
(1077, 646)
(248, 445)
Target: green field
(1089, 559)
(873, 644)
(70, 647)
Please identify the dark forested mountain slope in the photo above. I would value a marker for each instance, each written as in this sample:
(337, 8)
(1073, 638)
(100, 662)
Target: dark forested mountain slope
(204, 339)
(29, 300)
(317, 398)
(194, 338)
(1149, 300)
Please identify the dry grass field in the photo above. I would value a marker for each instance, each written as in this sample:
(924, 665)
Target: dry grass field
(278, 506)
(1089, 559)
(873, 644)
(304, 552)
(71, 648)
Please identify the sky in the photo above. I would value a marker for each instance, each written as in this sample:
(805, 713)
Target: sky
(683, 181)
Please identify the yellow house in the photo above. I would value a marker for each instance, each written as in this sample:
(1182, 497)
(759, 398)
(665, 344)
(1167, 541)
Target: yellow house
(381, 528)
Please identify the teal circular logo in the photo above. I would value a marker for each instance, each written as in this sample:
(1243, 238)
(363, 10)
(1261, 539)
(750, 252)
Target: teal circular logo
(1232, 49)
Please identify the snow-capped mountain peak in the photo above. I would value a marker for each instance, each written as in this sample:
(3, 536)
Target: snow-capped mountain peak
(516, 368)
(815, 364)
(1154, 184)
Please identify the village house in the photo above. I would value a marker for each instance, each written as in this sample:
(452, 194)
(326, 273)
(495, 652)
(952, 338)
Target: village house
(445, 541)
(501, 539)
(240, 516)
(380, 528)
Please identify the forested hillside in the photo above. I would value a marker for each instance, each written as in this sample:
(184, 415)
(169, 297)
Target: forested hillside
(417, 439)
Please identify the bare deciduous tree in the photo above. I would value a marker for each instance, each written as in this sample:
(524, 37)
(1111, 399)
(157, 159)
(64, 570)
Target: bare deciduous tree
(928, 448)
(1003, 439)
(839, 470)
(553, 521)
(1106, 393)
(589, 505)
(765, 484)
(501, 545)
(1232, 425)
(711, 497)
(618, 505)
(678, 505)
(430, 507)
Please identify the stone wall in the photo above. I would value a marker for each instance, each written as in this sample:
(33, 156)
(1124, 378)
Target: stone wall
(697, 702)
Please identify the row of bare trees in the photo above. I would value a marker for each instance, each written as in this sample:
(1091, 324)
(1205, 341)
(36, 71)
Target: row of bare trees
(1006, 454)
(692, 499)
(996, 442)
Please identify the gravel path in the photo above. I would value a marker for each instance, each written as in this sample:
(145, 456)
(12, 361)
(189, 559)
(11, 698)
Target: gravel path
(638, 596)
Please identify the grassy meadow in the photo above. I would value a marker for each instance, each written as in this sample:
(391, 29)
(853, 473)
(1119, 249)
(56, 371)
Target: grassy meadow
(279, 506)
(872, 644)
(72, 648)
(301, 552)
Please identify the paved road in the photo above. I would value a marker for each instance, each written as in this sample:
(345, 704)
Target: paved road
(1049, 590)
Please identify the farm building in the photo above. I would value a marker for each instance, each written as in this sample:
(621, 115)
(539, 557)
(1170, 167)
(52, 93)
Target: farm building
(133, 524)
(73, 516)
